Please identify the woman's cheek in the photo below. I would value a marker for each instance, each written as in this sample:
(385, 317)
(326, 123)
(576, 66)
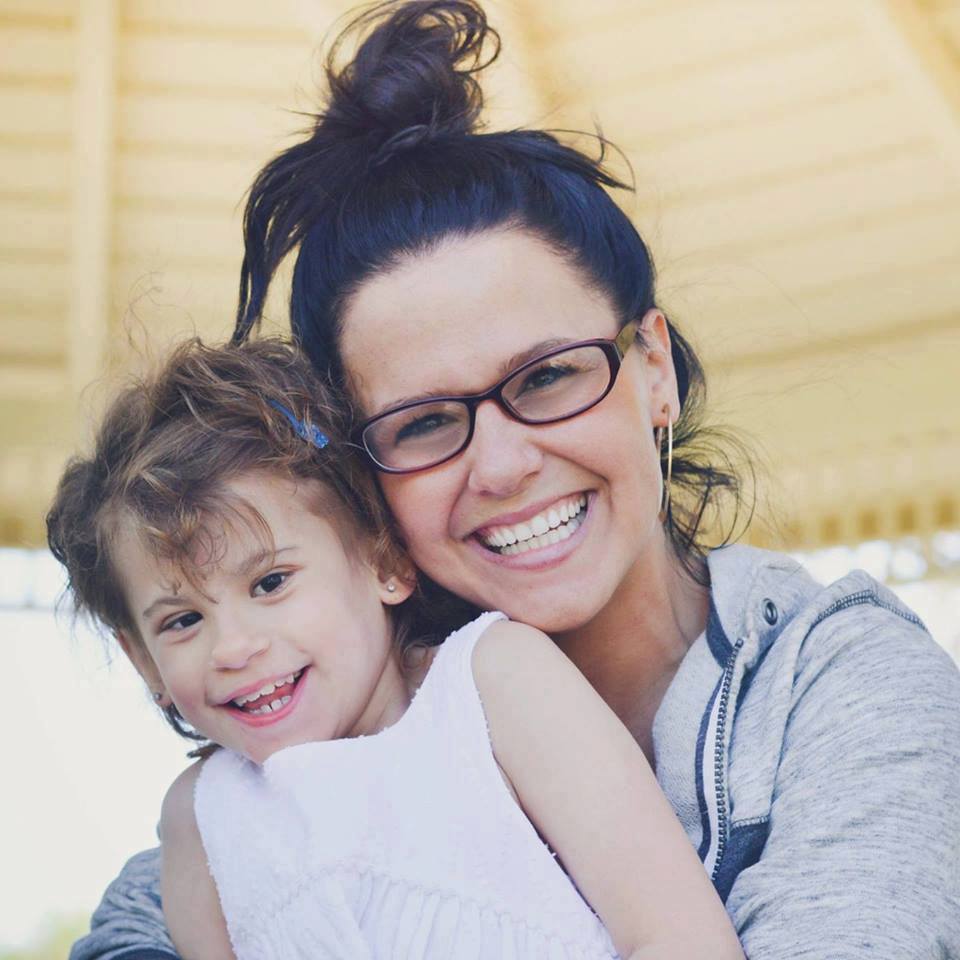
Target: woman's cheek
(421, 509)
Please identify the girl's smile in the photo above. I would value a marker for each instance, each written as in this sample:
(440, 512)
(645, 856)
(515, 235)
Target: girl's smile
(270, 702)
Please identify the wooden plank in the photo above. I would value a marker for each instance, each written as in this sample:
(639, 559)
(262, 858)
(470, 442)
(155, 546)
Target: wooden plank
(90, 214)
(925, 65)
(276, 21)
(39, 337)
(893, 240)
(211, 63)
(672, 41)
(37, 52)
(833, 128)
(34, 171)
(829, 193)
(32, 285)
(148, 180)
(49, 13)
(34, 112)
(855, 397)
(732, 328)
(232, 124)
(31, 227)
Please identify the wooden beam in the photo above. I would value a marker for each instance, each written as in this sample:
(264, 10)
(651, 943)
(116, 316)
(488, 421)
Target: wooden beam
(913, 43)
(91, 219)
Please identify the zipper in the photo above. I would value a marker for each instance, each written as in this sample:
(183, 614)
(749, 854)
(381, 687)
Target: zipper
(854, 599)
(718, 755)
(861, 597)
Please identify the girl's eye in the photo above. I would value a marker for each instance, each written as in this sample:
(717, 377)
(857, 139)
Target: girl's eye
(270, 583)
(181, 622)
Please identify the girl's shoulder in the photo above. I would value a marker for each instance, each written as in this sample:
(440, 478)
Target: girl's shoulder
(491, 647)
(177, 813)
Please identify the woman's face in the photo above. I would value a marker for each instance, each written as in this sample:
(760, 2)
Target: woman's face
(454, 321)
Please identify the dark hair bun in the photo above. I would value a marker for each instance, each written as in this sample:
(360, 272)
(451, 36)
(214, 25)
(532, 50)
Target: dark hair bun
(412, 76)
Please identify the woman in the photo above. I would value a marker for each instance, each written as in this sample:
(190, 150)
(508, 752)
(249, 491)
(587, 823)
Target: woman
(534, 418)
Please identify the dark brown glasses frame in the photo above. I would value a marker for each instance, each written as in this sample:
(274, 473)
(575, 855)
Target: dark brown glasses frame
(614, 350)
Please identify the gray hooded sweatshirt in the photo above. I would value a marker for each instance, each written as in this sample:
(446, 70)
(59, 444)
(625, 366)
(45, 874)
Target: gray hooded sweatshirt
(810, 745)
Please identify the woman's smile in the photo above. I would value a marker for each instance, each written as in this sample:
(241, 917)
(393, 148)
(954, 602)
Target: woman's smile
(541, 536)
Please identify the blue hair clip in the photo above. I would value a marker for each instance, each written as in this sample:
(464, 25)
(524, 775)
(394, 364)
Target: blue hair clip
(309, 433)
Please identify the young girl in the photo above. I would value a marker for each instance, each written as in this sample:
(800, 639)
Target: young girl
(361, 794)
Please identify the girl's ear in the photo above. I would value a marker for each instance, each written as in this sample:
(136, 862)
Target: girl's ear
(141, 659)
(398, 586)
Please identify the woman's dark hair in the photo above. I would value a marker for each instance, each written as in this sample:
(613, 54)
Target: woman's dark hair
(166, 451)
(397, 160)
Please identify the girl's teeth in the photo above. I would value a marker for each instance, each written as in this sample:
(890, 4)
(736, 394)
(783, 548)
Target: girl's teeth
(265, 691)
(278, 704)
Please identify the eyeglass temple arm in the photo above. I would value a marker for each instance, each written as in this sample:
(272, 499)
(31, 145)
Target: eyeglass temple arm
(626, 336)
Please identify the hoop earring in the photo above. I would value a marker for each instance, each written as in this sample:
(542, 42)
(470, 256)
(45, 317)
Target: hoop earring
(664, 511)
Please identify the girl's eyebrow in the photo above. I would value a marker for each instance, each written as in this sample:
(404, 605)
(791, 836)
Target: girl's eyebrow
(256, 559)
(171, 601)
(244, 568)
(518, 359)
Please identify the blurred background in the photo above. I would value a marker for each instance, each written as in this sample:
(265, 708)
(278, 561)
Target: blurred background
(798, 180)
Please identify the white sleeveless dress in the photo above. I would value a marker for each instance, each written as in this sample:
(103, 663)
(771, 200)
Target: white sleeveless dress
(406, 844)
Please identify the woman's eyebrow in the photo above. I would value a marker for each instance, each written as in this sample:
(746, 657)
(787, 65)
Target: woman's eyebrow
(505, 367)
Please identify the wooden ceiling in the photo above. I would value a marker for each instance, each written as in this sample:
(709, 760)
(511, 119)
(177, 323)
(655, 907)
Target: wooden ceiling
(798, 172)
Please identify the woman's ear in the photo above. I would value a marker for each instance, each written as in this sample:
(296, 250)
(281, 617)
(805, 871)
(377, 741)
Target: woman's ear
(661, 376)
(143, 662)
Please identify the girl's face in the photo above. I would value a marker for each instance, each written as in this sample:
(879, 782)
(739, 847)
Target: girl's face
(456, 320)
(276, 645)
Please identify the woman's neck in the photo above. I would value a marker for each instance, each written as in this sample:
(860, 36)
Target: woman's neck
(631, 650)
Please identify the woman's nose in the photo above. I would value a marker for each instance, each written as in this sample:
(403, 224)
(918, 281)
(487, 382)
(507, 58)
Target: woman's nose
(503, 453)
(236, 645)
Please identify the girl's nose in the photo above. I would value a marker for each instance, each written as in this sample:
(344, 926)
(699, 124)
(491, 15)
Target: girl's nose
(236, 646)
(503, 453)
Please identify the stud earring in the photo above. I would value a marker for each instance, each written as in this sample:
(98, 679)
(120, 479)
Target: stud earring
(391, 587)
(668, 473)
(157, 696)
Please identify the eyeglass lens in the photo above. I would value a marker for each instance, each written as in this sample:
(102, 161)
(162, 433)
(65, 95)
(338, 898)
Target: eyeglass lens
(552, 388)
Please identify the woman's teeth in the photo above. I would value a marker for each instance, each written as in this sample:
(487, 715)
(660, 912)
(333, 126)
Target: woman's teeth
(553, 525)
(268, 706)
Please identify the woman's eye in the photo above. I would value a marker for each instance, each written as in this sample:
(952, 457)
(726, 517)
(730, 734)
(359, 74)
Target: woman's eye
(422, 427)
(270, 583)
(181, 622)
(546, 376)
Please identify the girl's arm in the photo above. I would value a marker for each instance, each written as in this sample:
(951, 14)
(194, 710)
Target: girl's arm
(586, 785)
(190, 903)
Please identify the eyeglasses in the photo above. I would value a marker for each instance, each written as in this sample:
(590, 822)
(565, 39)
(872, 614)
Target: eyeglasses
(557, 385)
